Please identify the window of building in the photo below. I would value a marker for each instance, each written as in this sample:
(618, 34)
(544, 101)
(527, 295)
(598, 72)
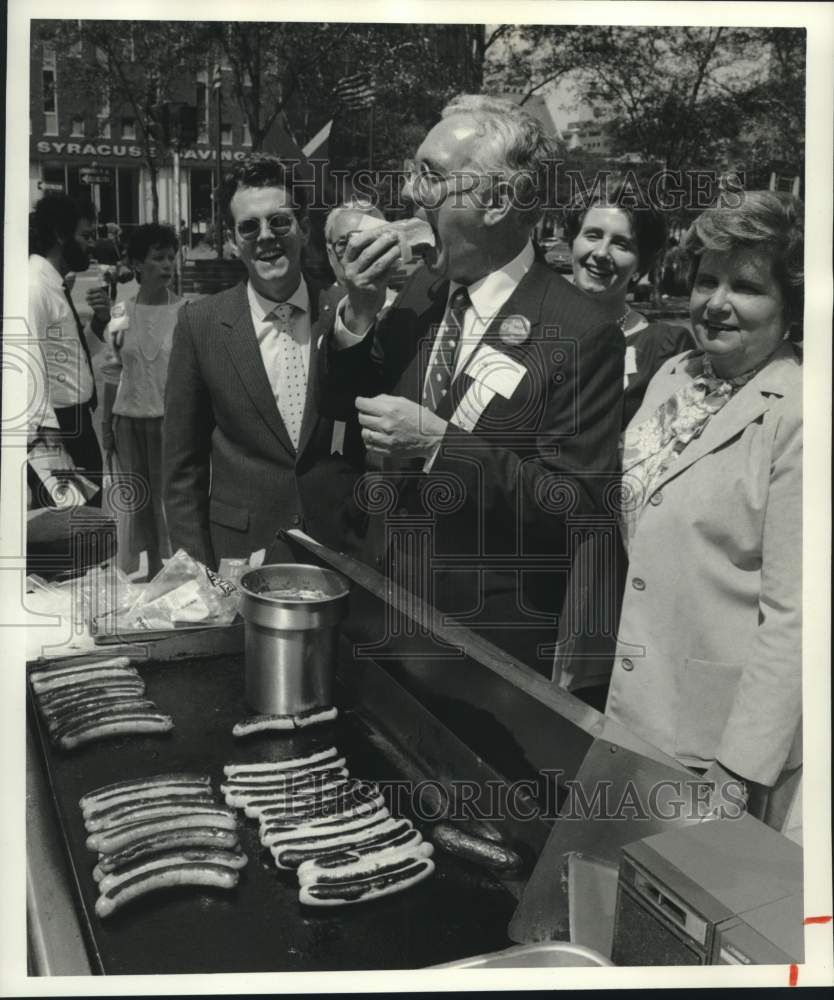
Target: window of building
(128, 128)
(247, 135)
(103, 119)
(77, 127)
(202, 105)
(226, 134)
(50, 91)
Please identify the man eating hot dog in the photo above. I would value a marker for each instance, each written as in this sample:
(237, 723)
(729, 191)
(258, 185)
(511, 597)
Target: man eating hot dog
(491, 388)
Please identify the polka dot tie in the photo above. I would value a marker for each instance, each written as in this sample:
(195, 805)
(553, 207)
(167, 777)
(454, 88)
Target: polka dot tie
(442, 367)
(292, 376)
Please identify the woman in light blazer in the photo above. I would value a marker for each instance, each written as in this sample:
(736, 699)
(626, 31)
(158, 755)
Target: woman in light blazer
(708, 660)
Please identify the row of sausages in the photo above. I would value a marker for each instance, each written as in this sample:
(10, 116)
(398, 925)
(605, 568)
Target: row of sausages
(94, 700)
(157, 832)
(334, 831)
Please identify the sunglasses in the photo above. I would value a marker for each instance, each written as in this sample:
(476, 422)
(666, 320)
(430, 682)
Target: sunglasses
(280, 224)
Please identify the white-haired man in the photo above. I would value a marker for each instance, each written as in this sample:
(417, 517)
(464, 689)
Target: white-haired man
(490, 378)
(354, 216)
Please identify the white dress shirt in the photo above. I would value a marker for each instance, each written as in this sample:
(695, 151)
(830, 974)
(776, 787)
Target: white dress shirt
(487, 295)
(60, 356)
(266, 331)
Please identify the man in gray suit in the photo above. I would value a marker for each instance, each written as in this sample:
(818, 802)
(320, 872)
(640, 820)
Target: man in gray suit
(246, 450)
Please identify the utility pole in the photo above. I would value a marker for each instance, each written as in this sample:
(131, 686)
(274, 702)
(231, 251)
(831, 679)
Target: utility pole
(217, 86)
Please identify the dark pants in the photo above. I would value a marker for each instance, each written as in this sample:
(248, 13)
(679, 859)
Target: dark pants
(79, 438)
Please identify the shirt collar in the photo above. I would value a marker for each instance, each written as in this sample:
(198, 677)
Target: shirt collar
(261, 306)
(47, 271)
(489, 293)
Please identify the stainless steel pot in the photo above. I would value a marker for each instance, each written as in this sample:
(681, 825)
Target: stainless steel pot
(291, 641)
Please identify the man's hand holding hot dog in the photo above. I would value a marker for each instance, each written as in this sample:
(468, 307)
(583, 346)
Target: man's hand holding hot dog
(398, 427)
(369, 258)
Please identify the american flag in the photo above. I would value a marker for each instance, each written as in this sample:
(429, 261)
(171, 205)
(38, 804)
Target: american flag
(356, 91)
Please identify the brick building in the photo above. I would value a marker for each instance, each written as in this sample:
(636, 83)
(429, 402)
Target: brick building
(70, 141)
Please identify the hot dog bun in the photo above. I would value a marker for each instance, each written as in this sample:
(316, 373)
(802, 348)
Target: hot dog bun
(416, 237)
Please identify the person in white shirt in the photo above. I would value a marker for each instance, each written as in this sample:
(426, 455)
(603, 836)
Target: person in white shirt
(492, 387)
(246, 452)
(62, 235)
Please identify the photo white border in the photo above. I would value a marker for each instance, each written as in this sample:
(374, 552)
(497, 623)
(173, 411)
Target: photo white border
(818, 969)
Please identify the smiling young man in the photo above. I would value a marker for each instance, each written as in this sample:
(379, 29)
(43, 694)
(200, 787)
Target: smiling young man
(491, 380)
(246, 450)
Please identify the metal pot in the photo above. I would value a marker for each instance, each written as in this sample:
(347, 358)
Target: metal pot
(291, 641)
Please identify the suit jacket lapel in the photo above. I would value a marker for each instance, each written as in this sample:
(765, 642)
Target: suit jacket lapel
(748, 404)
(245, 354)
(525, 301)
(318, 326)
(427, 319)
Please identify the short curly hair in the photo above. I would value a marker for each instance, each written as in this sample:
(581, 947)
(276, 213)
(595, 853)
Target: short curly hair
(647, 221)
(262, 170)
(153, 234)
(772, 220)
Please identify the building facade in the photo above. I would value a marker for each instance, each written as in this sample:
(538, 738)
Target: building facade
(98, 151)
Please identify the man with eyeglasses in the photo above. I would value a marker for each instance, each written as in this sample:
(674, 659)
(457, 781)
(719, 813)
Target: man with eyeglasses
(246, 449)
(354, 216)
(491, 388)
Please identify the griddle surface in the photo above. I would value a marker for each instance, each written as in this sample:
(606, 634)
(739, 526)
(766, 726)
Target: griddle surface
(260, 926)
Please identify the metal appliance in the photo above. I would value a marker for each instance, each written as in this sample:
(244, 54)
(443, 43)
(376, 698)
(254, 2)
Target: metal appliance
(719, 892)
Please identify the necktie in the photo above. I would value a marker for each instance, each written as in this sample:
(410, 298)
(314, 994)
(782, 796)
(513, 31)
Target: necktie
(442, 367)
(292, 374)
(84, 344)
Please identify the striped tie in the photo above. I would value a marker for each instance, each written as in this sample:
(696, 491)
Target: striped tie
(442, 367)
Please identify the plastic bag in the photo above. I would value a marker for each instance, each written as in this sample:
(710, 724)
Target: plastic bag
(184, 591)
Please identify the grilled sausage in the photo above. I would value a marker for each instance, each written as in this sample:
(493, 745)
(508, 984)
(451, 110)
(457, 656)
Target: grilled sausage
(336, 816)
(149, 809)
(150, 722)
(318, 834)
(290, 764)
(179, 873)
(406, 841)
(283, 723)
(206, 836)
(230, 859)
(68, 680)
(287, 781)
(146, 785)
(287, 799)
(81, 667)
(134, 706)
(110, 841)
(475, 849)
(366, 889)
(308, 808)
(292, 857)
(54, 701)
(371, 866)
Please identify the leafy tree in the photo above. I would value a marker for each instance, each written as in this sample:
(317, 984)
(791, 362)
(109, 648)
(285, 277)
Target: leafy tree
(127, 66)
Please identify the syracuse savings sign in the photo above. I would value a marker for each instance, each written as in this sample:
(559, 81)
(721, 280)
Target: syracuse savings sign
(119, 152)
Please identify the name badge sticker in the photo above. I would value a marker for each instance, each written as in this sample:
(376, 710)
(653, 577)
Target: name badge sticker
(496, 371)
(337, 442)
(469, 410)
